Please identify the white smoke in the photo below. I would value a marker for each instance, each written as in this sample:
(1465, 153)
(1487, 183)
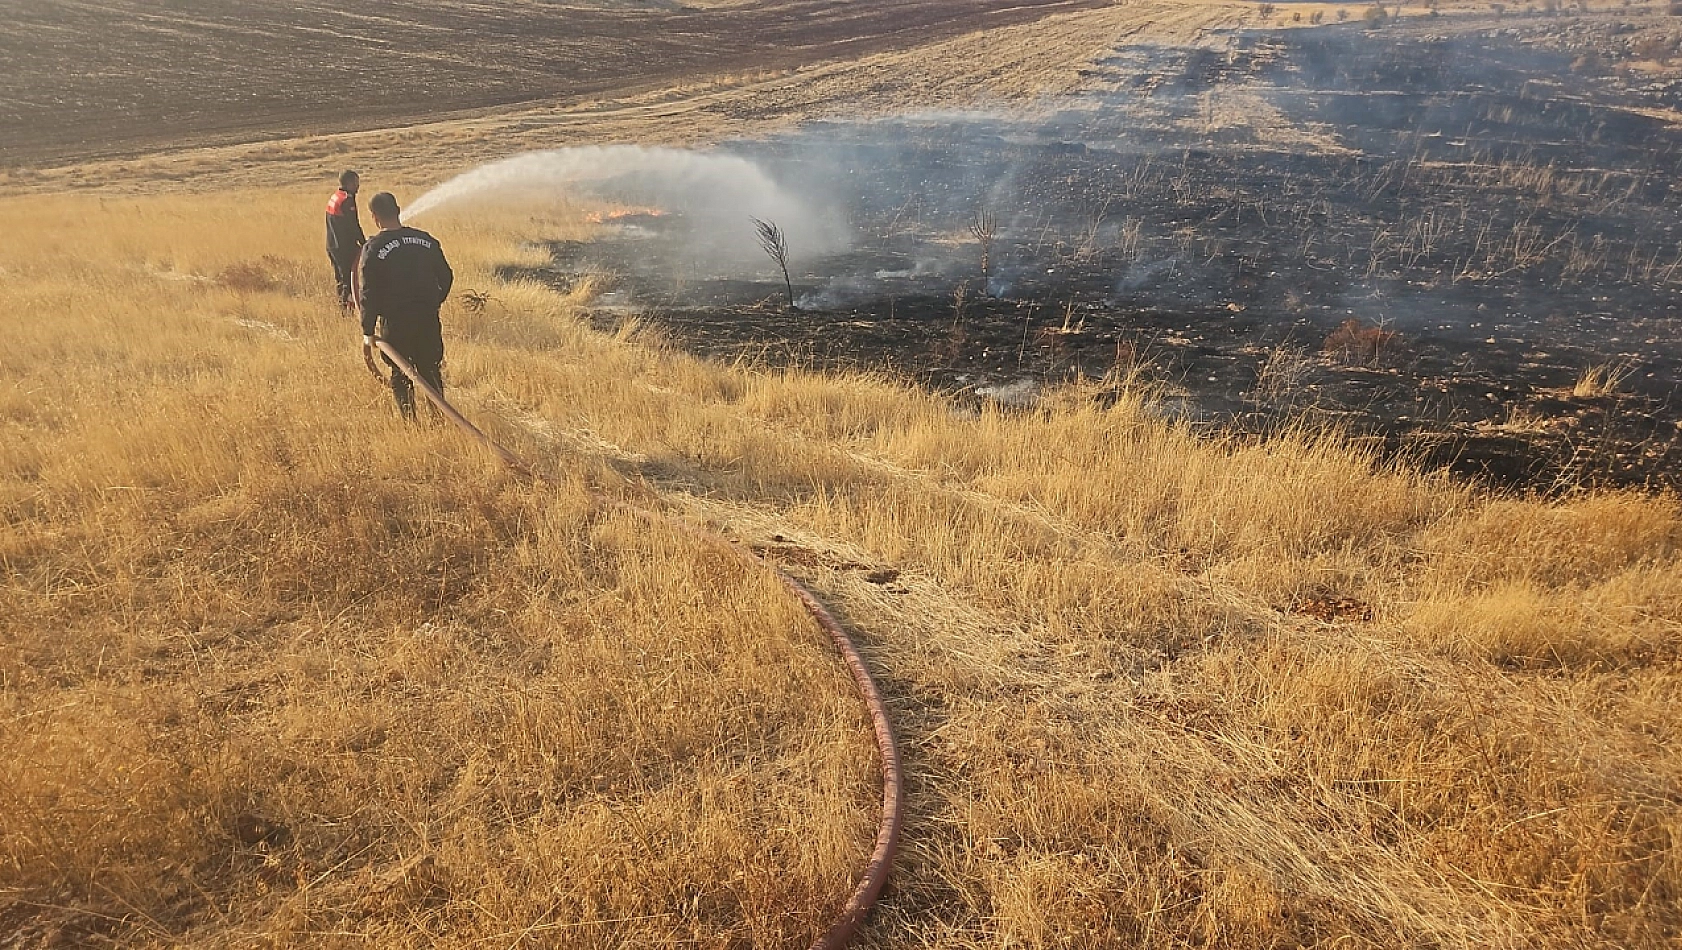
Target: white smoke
(716, 195)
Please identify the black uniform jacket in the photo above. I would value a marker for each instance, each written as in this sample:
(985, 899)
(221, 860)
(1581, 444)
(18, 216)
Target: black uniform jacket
(405, 279)
(344, 228)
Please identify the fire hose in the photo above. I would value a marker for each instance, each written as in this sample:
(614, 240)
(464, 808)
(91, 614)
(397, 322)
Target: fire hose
(841, 932)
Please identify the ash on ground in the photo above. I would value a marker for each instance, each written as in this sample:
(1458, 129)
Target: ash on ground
(1457, 248)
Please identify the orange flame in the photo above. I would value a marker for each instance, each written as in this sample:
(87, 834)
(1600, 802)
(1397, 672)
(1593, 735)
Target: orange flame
(618, 214)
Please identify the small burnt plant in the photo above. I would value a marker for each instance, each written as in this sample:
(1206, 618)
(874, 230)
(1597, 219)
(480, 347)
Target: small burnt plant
(475, 301)
(774, 243)
(985, 226)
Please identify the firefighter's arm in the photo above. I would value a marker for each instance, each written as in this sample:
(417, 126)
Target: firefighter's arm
(446, 278)
(356, 281)
(365, 304)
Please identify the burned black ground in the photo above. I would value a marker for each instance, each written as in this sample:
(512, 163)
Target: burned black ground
(1424, 241)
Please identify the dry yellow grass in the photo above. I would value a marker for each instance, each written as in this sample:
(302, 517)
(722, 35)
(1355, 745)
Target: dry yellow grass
(243, 603)
(1154, 689)
(1604, 379)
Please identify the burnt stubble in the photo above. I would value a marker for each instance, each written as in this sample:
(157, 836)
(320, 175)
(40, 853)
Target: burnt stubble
(1427, 241)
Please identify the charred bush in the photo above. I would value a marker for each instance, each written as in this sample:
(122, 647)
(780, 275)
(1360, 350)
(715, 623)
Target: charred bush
(475, 301)
(1355, 342)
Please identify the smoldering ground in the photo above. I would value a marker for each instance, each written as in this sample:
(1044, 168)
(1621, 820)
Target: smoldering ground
(1485, 224)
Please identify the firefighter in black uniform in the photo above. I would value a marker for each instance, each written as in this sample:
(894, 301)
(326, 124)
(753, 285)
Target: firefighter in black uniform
(404, 279)
(344, 234)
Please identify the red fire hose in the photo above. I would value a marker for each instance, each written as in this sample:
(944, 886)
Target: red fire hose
(845, 927)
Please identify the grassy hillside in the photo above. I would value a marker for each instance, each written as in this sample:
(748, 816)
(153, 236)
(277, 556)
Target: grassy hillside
(277, 669)
(274, 667)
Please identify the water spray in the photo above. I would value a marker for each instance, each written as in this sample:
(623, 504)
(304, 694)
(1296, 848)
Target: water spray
(714, 196)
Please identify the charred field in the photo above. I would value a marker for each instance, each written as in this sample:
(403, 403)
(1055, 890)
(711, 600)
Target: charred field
(1460, 249)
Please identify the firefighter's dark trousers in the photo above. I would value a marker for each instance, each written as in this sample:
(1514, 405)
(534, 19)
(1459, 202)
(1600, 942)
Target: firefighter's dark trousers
(430, 370)
(344, 262)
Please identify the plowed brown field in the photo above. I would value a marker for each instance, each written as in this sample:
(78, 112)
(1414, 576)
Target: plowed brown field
(84, 79)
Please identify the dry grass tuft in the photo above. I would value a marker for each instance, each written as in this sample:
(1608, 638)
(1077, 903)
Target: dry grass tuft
(279, 670)
(1602, 380)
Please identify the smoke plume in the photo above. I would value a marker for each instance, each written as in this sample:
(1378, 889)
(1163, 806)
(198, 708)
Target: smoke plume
(714, 196)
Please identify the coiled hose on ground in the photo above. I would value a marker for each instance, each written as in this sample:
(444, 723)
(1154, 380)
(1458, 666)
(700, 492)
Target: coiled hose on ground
(840, 933)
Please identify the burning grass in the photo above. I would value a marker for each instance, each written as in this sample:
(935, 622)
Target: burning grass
(279, 669)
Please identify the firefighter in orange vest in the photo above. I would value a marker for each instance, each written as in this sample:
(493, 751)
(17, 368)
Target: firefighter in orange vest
(344, 236)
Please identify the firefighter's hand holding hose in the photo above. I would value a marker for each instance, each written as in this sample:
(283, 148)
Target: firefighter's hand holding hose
(356, 302)
(368, 358)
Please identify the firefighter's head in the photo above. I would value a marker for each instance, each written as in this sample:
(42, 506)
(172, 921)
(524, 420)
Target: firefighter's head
(383, 206)
(349, 180)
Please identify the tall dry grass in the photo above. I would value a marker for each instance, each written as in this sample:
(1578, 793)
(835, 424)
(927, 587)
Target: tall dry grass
(1155, 689)
(277, 669)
